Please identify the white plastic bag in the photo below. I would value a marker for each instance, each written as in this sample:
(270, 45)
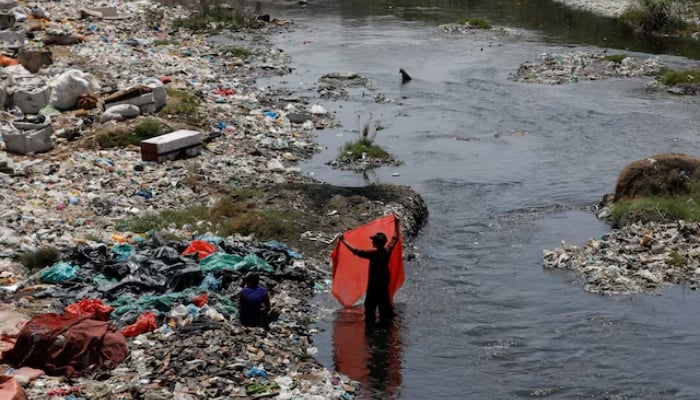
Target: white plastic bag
(69, 86)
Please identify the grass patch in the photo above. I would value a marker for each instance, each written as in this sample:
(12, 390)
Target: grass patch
(216, 17)
(232, 214)
(41, 258)
(478, 23)
(656, 16)
(146, 129)
(180, 102)
(164, 219)
(675, 259)
(679, 77)
(239, 52)
(365, 145)
(656, 209)
(353, 151)
(163, 42)
(265, 224)
(616, 58)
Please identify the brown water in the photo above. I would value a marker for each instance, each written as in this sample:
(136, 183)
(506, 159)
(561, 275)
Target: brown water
(506, 169)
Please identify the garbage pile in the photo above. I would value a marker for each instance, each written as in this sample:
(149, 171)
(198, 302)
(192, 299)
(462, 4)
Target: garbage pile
(636, 258)
(177, 299)
(68, 76)
(555, 69)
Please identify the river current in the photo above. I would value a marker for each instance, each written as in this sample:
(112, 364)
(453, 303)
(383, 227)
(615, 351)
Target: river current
(507, 169)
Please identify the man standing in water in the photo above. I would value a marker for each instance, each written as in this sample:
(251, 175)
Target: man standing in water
(377, 295)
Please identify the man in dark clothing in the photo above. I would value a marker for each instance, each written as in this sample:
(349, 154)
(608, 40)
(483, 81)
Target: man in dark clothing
(254, 303)
(377, 295)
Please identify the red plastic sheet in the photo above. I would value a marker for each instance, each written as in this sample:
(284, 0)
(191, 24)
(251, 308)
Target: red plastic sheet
(145, 323)
(200, 247)
(350, 272)
(91, 307)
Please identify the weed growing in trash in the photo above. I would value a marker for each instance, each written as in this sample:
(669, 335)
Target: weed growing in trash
(43, 257)
(478, 23)
(679, 77)
(656, 209)
(215, 17)
(365, 146)
(675, 259)
(616, 58)
(146, 129)
(180, 103)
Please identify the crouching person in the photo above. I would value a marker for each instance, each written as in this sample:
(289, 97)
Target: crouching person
(254, 303)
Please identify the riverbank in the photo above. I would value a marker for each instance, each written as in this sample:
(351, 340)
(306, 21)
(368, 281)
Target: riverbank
(81, 195)
(603, 7)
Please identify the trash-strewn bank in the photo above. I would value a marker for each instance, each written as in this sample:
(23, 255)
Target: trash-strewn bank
(654, 242)
(131, 70)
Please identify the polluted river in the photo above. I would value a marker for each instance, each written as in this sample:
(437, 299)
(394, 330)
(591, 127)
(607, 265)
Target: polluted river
(507, 169)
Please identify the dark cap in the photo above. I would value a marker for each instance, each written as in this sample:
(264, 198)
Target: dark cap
(378, 237)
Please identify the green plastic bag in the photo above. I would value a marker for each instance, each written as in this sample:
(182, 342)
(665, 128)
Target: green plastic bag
(58, 272)
(253, 263)
(122, 251)
(162, 303)
(218, 261)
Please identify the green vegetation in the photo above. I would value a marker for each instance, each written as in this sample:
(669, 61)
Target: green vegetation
(216, 17)
(146, 129)
(685, 76)
(163, 42)
(239, 52)
(353, 151)
(231, 214)
(43, 257)
(657, 16)
(675, 259)
(616, 58)
(180, 103)
(657, 209)
(478, 23)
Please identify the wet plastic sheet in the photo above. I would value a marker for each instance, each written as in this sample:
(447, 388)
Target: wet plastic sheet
(350, 272)
(219, 261)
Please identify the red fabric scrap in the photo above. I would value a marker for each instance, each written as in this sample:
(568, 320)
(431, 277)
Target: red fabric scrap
(350, 272)
(145, 323)
(90, 307)
(67, 345)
